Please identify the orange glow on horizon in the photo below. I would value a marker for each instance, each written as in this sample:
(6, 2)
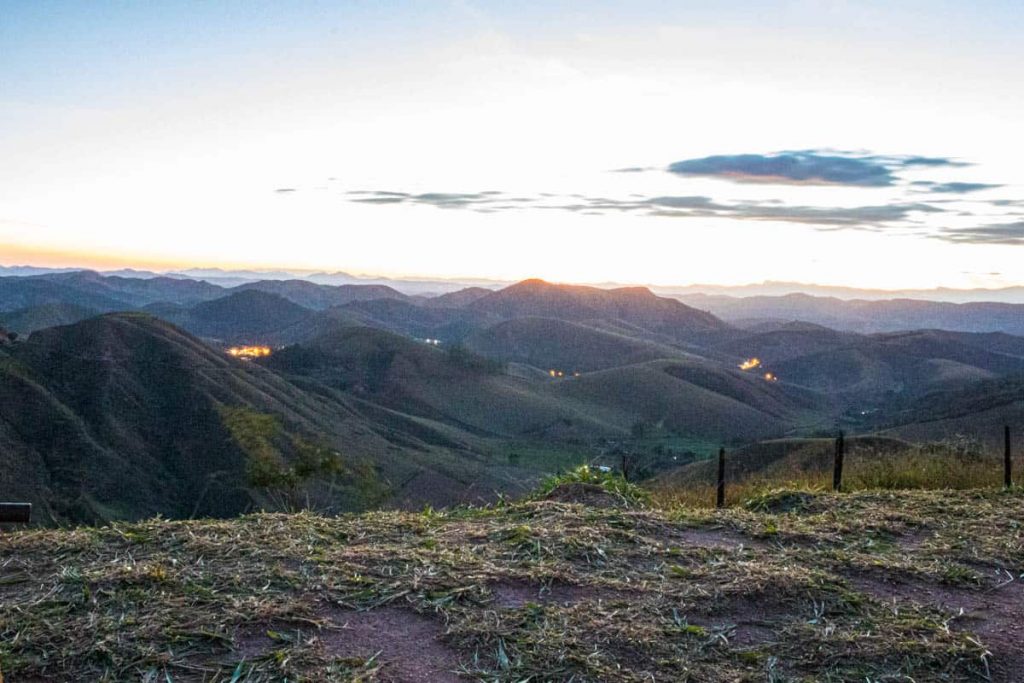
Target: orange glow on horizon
(750, 364)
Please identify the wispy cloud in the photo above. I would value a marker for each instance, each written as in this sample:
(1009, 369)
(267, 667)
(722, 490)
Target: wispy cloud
(864, 217)
(807, 167)
(953, 188)
(670, 206)
(443, 200)
(998, 233)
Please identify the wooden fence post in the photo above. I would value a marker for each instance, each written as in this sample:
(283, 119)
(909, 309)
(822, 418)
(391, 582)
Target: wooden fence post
(837, 471)
(720, 499)
(1007, 463)
(625, 468)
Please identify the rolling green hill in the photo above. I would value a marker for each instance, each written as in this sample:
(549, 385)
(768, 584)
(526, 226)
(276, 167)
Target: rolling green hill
(319, 297)
(548, 343)
(26, 320)
(979, 410)
(126, 416)
(633, 305)
(444, 385)
(908, 363)
(450, 325)
(692, 399)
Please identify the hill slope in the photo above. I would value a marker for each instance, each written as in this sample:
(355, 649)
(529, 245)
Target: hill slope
(318, 296)
(858, 315)
(125, 416)
(549, 343)
(26, 320)
(634, 305)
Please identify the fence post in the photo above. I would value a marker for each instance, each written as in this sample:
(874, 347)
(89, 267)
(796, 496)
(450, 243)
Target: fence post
(1007, 463)
(720, 499)
(625, 468)
(837, 471)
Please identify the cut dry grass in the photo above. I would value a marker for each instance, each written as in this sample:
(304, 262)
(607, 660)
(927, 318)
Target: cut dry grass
(538, 590)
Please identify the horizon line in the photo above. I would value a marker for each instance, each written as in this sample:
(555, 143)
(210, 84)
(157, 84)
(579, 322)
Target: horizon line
(305, 273)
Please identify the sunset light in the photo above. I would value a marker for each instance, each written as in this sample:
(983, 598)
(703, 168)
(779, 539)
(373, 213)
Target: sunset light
(580, 141)
(355, 340)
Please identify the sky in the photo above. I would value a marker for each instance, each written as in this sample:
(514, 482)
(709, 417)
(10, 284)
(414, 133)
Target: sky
(866, 144)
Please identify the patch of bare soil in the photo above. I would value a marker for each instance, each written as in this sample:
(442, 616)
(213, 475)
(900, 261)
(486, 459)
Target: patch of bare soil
(714, 539)
(516, 594)
(590, 495)
(913, 539)
(745, 623)
(408, 645)
(995, 615)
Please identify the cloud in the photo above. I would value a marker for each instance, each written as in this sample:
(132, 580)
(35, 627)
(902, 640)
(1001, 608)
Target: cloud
(443, 200)
(954, 188)
(998, 233)
(631, 169)
(282, 190)
(806, 167)
(837, 217)
(862, 217)
(670, 206)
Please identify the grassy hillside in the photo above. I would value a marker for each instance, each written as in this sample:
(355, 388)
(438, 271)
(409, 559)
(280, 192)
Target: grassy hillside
(548, 343)
(862, 587)
(319, 297)
(450, 325)
(27, 320)
(871, 462)
(119, 416)
(126, 416)
(859, 315)
(443, 385)
(249, 316)
(633, 305)
(783, 342)
(450, 386)
(899, 363)
(980, 409)
(689, 398)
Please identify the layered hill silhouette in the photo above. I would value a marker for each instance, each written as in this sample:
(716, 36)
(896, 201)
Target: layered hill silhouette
(551, 343)
(864, 316)
(633, 305)
(430, 400)
(123, 416)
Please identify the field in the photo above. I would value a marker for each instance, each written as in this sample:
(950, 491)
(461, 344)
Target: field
(583, 582)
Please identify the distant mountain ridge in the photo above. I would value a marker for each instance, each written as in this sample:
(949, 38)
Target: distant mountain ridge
(866, 316)
(635, 305)
(433, 287)
(123, 383)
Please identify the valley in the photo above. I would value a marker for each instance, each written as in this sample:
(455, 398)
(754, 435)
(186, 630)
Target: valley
(124, 398)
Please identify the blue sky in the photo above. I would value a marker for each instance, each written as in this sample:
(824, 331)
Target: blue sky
(664, 142)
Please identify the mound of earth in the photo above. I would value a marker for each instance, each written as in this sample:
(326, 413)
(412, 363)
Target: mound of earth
(590, 495)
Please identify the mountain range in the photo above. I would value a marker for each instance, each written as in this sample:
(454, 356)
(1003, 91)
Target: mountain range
(119, 399)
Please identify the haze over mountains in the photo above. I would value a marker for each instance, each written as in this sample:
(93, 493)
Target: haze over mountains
(416, 286)
(119, 399)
